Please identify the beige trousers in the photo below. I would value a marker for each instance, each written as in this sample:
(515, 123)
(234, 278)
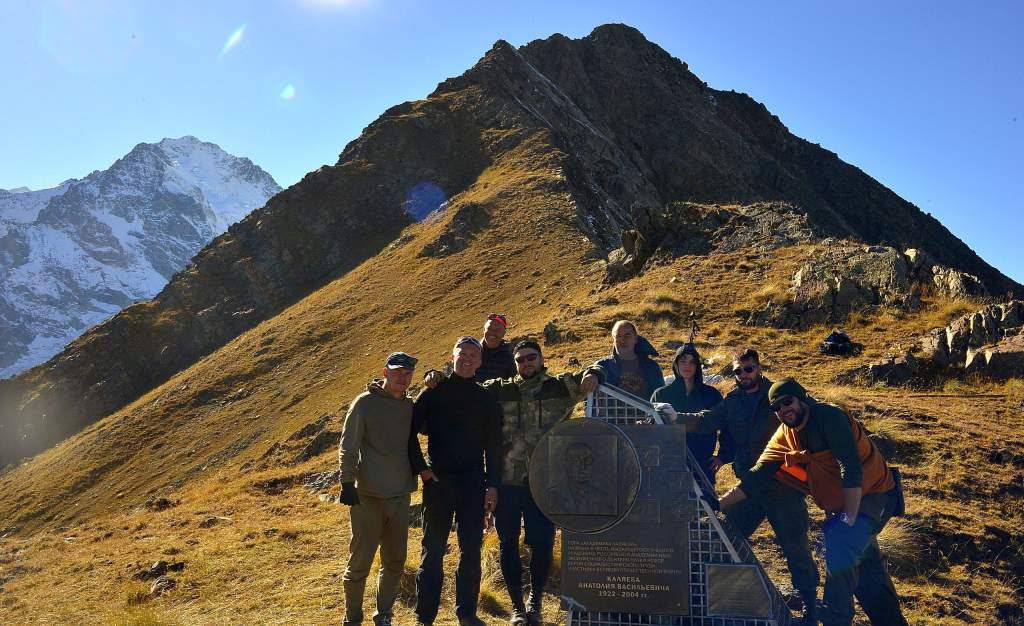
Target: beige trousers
(383, 523)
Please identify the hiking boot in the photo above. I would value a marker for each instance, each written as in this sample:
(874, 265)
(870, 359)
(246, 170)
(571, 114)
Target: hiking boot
(518, 617)
(382, 620)
(533, 609)
(809, 616)
(472, 620)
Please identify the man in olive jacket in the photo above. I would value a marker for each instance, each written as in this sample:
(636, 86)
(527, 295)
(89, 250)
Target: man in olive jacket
(746, 415)
(376, 480)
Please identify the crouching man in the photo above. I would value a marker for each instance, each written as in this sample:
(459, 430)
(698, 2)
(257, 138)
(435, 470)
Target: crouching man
(819, 450)
(376, 480)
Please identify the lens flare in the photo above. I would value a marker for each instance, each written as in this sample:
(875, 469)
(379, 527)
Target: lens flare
(288, 93)
(423, 199)
(233, 40)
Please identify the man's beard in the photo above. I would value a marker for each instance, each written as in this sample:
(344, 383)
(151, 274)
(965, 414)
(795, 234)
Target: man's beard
(747, 385)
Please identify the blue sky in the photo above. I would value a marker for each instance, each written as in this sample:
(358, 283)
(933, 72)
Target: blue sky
(926, 97)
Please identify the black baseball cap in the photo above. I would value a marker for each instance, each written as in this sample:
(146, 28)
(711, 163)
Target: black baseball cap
(398, 360)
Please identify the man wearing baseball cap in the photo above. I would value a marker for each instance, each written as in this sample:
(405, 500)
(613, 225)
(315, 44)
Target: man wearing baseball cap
(820, 450)
(496, 359)
(377, 477)
(462, 422)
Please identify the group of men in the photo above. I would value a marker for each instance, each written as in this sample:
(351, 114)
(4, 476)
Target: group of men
(484, 416)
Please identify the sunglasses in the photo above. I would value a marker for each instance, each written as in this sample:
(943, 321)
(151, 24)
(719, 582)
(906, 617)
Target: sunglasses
(527, 358)
(788, 400)
(746, 368)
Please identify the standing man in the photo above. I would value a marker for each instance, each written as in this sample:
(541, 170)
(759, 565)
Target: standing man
(746, 415)
(631, 365)
(496, 359)
(820, 450)
(532, 403)
(462, 422)
(376, 480)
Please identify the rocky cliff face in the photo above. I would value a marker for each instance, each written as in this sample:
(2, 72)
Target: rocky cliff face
(76, 254)
(629, 135)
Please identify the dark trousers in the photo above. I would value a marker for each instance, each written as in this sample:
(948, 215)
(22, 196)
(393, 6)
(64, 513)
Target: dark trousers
(516, 508)
(854, 567)
(458, 496)
(786, 512)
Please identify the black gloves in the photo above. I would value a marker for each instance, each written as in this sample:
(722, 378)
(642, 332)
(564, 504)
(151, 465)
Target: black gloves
(349, 494)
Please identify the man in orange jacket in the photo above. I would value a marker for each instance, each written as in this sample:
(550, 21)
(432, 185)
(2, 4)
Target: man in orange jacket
(819, 450)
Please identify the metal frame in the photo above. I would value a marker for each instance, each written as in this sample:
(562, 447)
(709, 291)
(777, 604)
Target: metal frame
(712, 539)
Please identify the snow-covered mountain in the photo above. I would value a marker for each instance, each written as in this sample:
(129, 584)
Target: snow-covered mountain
(73, 255)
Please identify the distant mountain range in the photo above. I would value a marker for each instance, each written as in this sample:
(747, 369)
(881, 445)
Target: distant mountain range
(74, 255)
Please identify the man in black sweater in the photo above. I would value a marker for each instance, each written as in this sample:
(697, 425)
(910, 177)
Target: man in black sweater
(462, 422)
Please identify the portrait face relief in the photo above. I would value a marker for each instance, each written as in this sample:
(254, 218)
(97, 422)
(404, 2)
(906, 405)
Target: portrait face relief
(583, 472)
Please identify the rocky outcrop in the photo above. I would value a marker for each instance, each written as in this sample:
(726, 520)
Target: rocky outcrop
(987, 341)
(891, 370)
(845, 278)
(946, 280)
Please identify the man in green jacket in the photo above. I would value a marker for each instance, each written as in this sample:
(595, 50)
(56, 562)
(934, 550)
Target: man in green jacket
(821, 451)
(746, 415)
(376, 480)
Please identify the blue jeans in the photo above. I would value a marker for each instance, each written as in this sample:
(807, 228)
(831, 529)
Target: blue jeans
(854, 567)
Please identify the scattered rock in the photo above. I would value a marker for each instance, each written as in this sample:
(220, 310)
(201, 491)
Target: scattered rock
(162, 585)
(987, 341)
(892, 370)
(323, 441)
(159, 504)
(322, 481)
(213, 520)
(553, 335)
(158, 569)
(1002, 361)
(935, 347)
(311, 428)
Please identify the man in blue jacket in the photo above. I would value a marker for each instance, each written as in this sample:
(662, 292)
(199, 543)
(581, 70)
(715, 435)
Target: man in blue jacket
(630, 366)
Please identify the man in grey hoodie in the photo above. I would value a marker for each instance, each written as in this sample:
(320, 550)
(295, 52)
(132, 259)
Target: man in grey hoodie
(376, 480)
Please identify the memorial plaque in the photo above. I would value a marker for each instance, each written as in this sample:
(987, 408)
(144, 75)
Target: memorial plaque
(640, 564)
(585, 475)
(737, 591)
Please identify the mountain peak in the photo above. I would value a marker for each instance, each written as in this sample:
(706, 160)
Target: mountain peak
(76, 254)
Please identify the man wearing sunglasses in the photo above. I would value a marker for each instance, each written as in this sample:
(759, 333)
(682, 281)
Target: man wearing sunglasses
(819, 450)
(532, 402)
(746, 416)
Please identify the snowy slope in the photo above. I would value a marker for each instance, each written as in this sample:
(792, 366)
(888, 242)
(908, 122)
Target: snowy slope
(74, 255)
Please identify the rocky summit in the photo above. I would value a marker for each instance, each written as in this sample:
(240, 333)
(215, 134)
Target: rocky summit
(76, 254)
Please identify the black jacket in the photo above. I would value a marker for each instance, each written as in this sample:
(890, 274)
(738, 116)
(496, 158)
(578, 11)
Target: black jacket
(496, 363)
(462, 422)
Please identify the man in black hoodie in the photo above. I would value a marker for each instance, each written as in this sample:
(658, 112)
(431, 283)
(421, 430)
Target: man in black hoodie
(462, 422)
